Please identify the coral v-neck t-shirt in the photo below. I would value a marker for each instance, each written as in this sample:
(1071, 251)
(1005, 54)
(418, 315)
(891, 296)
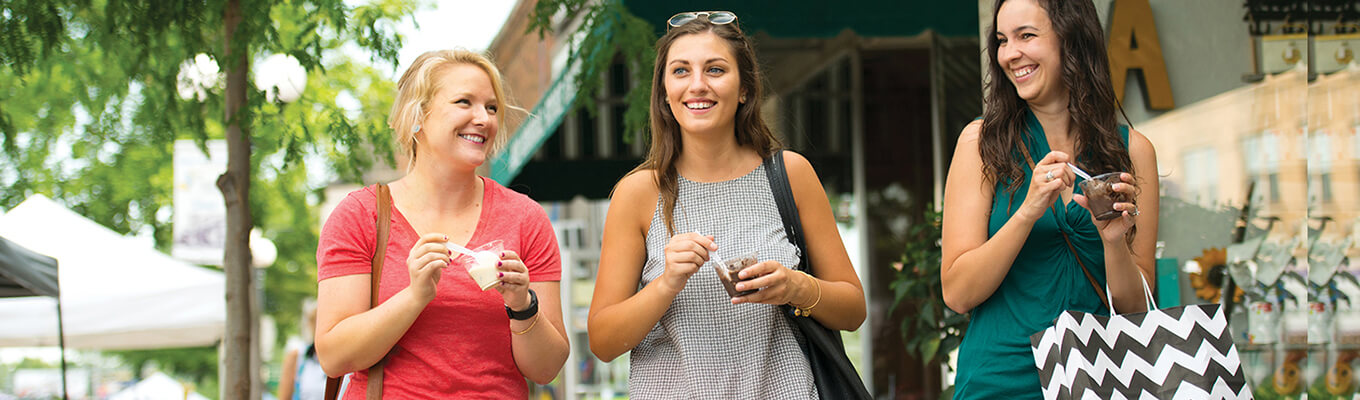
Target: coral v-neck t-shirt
(460, 344)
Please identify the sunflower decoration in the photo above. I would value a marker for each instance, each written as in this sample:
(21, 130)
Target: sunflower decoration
(1340, 379)
(1288, 377)
(1213, 264)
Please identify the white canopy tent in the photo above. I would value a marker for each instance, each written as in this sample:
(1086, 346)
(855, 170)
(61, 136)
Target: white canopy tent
(116, 293)
(158, 386)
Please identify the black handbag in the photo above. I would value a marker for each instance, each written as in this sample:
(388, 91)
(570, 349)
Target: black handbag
(832, 372)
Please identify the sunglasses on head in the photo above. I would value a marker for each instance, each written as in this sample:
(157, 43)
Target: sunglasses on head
(715, 17)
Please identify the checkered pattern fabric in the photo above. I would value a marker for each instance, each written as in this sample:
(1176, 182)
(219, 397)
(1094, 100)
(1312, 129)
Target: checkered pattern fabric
(704, 347)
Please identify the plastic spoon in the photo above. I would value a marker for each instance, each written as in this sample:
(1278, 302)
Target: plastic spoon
(455, 247)
(1079, 172)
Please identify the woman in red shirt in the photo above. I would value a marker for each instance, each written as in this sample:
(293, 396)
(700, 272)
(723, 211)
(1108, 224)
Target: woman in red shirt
(442, 336)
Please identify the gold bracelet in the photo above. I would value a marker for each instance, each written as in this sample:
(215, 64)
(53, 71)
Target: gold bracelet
(531, 326)
(807, 311)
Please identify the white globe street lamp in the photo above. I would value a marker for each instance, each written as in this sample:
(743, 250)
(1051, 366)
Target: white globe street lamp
(263, 252)
(281, 78)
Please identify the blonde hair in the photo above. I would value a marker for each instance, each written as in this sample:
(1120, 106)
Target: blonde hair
(419, 84)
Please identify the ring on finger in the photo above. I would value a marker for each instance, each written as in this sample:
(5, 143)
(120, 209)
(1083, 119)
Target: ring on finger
(1048, 176)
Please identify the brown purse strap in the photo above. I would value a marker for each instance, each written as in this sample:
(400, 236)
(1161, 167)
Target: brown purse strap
(380, 252)
(384, 222)
(1089, 278)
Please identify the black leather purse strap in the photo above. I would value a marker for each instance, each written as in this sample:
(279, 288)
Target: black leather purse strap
(832, 371)
(788, 208)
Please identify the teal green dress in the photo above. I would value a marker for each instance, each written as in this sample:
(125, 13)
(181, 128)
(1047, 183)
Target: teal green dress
(995, 361)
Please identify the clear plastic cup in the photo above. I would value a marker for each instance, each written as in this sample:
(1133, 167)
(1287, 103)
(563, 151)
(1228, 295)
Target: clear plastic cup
(481, 266)
(1100, 195)
(728, 270)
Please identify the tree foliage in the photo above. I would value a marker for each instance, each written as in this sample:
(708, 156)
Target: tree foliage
(607, 30)
(935, 330)
(89, 112)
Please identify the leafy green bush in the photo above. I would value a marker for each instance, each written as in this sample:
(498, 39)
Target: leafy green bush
(934, 330)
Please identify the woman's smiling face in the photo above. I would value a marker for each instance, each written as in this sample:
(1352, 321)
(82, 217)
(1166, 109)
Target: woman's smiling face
(461, 123)
(703, 87)
(1030, 51)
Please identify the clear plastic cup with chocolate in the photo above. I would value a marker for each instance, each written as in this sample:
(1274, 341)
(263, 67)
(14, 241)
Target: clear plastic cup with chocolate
(1101, 196)
(728, 270)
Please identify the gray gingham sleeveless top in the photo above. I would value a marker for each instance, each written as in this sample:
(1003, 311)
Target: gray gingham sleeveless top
(704, 347)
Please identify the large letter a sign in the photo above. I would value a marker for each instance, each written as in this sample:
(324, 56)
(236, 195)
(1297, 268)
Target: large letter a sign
(1134, 45)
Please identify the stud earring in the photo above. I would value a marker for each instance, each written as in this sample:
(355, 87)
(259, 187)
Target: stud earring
(416, 128)
(743, 99)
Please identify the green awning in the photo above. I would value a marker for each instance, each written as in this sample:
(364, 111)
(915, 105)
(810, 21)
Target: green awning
(825, 19)
(542, 122)
(545, 117)
(784, 19)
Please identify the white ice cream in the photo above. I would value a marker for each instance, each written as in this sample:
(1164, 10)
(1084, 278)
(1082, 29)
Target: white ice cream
(484, 271)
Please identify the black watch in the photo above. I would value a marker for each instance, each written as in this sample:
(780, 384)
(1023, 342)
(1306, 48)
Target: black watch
(528, 312)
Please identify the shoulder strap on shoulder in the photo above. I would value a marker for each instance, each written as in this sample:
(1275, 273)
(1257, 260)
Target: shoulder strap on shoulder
(384, 226)
(375, 373)
(788, 207)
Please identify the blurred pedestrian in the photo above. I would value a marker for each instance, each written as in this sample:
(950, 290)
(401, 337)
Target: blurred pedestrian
(301, 377)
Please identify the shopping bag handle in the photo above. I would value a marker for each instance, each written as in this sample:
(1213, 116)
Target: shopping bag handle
(1147, 293)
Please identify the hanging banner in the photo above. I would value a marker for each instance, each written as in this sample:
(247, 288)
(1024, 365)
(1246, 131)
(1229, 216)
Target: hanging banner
(200, 212)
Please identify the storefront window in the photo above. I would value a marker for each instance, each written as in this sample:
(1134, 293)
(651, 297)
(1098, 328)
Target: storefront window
(1201, 177)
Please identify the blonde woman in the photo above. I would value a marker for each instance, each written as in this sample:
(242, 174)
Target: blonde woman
(446, 337)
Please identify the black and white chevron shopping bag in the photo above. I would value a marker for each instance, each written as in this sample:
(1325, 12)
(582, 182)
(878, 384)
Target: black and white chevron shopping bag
(1181, 352)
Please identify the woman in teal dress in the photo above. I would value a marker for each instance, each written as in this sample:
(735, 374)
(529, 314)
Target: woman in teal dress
(1011, 206)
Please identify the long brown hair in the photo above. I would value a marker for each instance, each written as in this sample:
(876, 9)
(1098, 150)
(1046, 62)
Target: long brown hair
(751, 130)
(1091, 101)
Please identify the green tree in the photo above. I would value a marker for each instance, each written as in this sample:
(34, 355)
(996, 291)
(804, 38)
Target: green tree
(935, 330)
(89, 112)
(611, 31)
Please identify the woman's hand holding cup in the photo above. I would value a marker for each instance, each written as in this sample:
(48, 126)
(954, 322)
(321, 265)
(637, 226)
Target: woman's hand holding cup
(514, 280)
(1109, 197)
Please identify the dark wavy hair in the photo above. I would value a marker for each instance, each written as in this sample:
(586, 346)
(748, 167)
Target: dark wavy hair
(1091, 100)
(751, 130)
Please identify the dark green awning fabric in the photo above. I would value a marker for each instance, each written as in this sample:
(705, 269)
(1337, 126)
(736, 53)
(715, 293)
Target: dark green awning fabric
(782, 19)
(25, 273)
(543, 119)
(542, 122)
(823, 19)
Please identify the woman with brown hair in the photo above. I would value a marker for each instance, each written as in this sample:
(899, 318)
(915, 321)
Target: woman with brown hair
(1018, 248)
(703, 192)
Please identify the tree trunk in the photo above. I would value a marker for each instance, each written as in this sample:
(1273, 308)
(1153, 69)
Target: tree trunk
(239, 344)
